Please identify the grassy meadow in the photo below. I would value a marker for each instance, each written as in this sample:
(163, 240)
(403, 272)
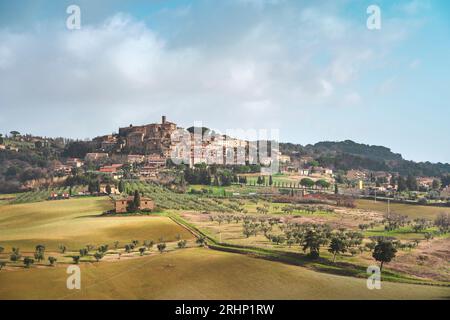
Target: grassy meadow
(200, 274)
(76, 223)
(191, 273)
(412, 211)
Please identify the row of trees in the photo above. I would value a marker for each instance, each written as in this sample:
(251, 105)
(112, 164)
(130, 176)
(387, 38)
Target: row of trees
(99, 253)
(394, 221)
(305, 182)
(204, 176)
(39, 256)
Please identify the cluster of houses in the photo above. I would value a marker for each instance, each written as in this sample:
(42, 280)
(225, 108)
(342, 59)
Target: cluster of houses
(382, 181)
(309, 171)
(70, 164)
(152, 145)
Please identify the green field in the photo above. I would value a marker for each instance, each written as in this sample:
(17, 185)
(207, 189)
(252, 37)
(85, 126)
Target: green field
(412, 211)
(191, 273)
(200, 274)
(76, 223)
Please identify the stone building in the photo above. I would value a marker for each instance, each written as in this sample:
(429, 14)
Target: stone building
(152, 138)
(122, 205)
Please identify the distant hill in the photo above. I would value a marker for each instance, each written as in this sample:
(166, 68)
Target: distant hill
(358, 149)
(346, 155)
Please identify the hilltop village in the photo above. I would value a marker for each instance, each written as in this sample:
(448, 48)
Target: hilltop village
(167, 154)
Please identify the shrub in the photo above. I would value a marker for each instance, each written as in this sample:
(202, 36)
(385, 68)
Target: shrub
(161, 247)
(52, 260)
(98, 256)
(27, 261)
(182, 244)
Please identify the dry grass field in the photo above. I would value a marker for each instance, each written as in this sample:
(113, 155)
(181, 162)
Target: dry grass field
(76, 223)
(412, 211)
(191, 273)
(200, 274)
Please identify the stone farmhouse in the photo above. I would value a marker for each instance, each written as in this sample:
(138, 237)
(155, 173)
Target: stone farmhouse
(122, 205)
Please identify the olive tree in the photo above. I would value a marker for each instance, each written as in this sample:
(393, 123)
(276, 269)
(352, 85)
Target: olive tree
(52, 260)
(98, 256)
(161, 247)
(337, 245)
(384, 252)
(28, 261)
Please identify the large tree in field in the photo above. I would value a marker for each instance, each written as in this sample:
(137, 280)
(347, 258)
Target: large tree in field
(384, 252)
(337, 245)
(312, 241)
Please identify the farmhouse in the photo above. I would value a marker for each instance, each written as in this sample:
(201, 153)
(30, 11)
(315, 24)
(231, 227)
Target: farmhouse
(122, 205)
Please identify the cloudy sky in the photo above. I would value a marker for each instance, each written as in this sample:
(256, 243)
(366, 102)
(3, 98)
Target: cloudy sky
(311, 69)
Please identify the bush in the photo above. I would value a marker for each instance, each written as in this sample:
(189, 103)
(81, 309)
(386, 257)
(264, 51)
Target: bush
(27, 261)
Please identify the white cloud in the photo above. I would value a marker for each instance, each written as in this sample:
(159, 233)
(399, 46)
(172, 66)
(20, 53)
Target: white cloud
(122, 71)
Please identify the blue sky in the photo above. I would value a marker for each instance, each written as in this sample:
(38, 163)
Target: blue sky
(308, 68)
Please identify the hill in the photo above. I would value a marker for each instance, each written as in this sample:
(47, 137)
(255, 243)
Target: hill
(347, 155)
